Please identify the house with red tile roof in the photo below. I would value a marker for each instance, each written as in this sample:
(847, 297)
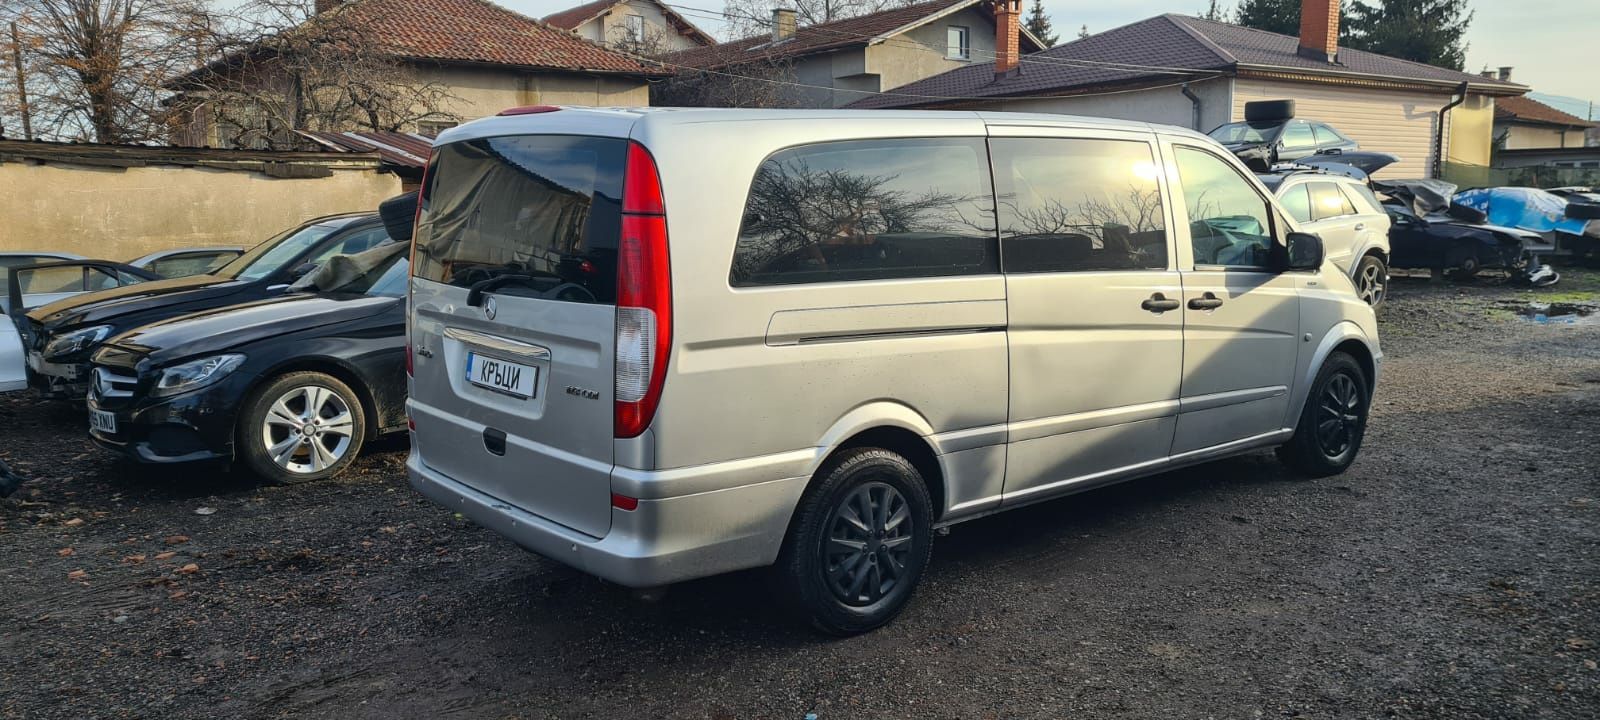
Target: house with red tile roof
(832, 64)
(1522, 123)
(483, 57)
(1197, 73)
(649, 27)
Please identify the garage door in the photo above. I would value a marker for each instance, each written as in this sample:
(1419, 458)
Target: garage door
(1382, 120)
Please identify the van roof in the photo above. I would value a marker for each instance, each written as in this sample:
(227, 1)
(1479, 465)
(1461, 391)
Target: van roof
(620, 122)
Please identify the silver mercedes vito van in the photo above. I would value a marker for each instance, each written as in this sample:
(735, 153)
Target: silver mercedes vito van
(663, 344)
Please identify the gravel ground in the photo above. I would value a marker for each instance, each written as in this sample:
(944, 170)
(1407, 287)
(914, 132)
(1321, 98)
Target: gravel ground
(1453, 572)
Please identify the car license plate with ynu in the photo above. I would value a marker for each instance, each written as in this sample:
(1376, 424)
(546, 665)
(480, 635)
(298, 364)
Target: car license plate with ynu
(102, 421)
(502, 376)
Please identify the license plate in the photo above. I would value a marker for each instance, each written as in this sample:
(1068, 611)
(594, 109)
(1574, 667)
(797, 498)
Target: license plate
(501, 376)
(103, 421)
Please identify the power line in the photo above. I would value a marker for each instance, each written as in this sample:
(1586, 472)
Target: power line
(906, 42)
(919, 96)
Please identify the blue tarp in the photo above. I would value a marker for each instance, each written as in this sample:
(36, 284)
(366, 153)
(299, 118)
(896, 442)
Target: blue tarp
(1526, 208)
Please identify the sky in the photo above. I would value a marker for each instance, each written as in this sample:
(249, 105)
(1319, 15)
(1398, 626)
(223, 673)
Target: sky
(1550, 43)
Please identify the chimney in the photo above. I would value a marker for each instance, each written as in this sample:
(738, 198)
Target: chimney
(322, 6)
(1007, 37)
(1505, 73)
(783, 23)
(1487, 73)
(1319, 30)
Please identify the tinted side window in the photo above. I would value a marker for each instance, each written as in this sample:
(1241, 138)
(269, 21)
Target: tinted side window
(868, 210)
(1068, 205)
(1228, 220)
(1362, 198)
(1327, 202)
(1297, 136)
(189, 264)
(1297, 202)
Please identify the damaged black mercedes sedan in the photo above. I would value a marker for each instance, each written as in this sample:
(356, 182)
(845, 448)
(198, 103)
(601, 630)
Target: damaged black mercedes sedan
(290, 387)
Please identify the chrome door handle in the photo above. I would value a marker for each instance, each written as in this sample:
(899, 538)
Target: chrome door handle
(1208, 301)
(1159, 303)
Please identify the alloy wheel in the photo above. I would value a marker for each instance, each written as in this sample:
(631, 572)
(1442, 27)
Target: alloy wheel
(308, 429)
(1339, 415)
(1370, 284)
(869, 538)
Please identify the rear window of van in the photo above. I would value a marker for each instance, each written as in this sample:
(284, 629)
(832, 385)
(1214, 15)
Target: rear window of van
(868, 210)
(544, 208)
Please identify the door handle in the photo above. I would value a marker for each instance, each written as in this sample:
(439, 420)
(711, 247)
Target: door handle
(1159, 303)
(1208, 301)
(1360, 227)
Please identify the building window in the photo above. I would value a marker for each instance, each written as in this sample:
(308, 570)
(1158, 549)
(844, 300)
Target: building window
(634, 25)
(958, 43)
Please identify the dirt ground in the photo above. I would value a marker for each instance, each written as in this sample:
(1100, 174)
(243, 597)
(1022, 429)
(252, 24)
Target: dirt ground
(1454, 572)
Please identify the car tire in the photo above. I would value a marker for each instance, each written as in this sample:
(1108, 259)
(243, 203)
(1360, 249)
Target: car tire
(286, 421)
(1328, 436)
(834, 568)
(1466, 268)
(1372, 280)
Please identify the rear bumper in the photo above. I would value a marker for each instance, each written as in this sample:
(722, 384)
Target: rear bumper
(665, 540)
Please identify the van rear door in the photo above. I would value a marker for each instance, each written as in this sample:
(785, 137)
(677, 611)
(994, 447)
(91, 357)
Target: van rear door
(513, 321)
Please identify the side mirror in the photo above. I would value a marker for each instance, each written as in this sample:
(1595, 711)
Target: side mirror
(1305, 252)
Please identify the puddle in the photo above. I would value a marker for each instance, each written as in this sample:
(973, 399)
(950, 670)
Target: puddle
(1554, 313)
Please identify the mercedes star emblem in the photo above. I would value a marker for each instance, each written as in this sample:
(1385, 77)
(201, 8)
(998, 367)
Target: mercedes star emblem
(489, 308)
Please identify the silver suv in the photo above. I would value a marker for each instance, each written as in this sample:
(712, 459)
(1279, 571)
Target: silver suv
(1348, 217)
(664, 344)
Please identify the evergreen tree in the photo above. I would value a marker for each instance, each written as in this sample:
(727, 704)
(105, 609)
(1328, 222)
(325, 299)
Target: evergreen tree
(1279, 16)
(1215, 12)
(1038, 23)
(1426, 31)
(1083, 32)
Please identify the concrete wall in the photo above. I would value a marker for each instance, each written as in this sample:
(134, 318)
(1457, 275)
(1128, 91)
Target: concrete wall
(486, 91)
(123, 213)
(1528, 137)
(1472, 132)
(1167, 106)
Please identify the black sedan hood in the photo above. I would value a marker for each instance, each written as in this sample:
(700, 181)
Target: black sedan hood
(104, 305)
(224, 329)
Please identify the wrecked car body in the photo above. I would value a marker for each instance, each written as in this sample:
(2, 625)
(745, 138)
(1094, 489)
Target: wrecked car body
(1431, 229)
(291, 386)
(1572, 223)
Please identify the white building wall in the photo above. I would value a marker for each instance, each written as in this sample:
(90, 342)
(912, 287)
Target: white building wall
(1166, 105)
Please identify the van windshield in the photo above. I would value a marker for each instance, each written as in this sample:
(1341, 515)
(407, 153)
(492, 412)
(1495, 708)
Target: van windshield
(545, 209)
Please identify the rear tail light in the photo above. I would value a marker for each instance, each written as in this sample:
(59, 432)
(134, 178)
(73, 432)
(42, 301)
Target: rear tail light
(644, 297)
(623, 502)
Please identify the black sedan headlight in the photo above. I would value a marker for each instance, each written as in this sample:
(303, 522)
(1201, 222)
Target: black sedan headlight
(68, 344)
(195, 374)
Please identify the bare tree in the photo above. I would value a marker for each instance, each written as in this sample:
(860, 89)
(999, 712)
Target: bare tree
(95, 68)
(752, 17)
(759, 83)
(278, 66)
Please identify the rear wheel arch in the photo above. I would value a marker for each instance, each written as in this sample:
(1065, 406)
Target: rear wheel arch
(906, 444)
